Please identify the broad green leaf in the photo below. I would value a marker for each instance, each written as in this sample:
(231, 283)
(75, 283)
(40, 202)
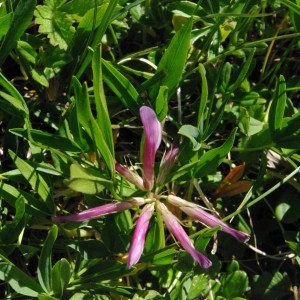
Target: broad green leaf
(81, 181)
(47, 140)
(86, 118)
(235, 284)
(21, 19)
(198, 286)
(173, 61)
(276, 112)
(193, 134)
(33, 206)
(56, 24)
(121, 86)
(36, 181)
(103, 118)
(19, 280)
(44, 271)
(61, 274)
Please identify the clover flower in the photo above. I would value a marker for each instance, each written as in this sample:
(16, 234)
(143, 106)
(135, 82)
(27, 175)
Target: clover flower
(151, 142)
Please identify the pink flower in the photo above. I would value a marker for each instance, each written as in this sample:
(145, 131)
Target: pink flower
(139, 235)
(176, 229)
(98, 211)
(153, 133)
(166, 165)
(206, 218)
(130, 176)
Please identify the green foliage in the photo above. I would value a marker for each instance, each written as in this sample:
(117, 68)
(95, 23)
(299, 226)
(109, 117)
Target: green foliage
(222, 77)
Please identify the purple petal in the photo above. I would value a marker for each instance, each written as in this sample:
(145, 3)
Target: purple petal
(206, 218)
(130, 176)
(100, 211)
(138, 238)
(153, 133)
(166, 165)
(176, 229)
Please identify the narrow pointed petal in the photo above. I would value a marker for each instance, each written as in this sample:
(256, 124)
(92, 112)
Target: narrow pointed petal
(212, 221)
(176, 229)
(130, 176)
(98, 211)
(139, 235)
(153, 133)
(206, 218)
(166, 165)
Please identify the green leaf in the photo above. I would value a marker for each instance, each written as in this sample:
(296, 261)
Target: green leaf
(81, 181)
(271, 286)
(44, 271)
(216, 119)
(163, 257)
(33, 206)
(98, 34)
(86, 118)
(56, 24)
(36, 181)
(121, 86)
(61, 274)
(203, 99)
(243, 74)
(18, 280)
(13, 97)
(5, 22)
(193, 134)
(287, 208)
(208, 162)
(21, 19)
(205, 236)
(291, 5)
(198, 286)
(277, 107)
(173, 61)
(235, 284)
(103, 118)
(27, 51)
(161, 103)
(47, 140)
(10, 231)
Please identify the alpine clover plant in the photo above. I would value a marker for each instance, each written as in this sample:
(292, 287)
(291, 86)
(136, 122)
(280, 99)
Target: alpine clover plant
(154, 201)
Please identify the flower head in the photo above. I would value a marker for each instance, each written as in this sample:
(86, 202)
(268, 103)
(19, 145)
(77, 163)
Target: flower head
(152, 140)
